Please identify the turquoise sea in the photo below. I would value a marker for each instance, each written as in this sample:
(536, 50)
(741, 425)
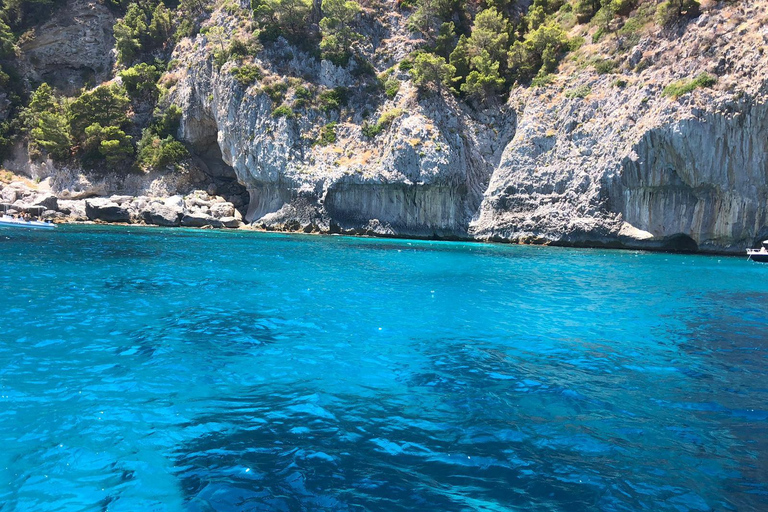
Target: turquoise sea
(149, 369)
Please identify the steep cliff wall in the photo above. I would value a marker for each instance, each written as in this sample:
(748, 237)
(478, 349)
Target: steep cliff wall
(705, 177)
(423, 176)
(72, 49)
(598, 162)
(588, 159)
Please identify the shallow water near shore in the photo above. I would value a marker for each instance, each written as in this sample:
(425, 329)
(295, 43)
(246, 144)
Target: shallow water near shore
(186, 370)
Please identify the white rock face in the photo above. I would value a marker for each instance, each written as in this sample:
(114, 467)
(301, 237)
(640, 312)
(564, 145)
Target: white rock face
(582, 161)
(588, 160)
(422, 176)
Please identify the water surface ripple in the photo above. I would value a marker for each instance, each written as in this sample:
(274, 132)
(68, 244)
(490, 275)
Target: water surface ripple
(182, 370)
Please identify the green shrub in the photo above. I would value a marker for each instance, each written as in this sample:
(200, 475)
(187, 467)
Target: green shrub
(406, 64)
(371, 130)
(155, 152)
(303, 92)
(140, 81)
(391, 87)
(604, 66)
(620, 83)
(539, 50)
(246, 74)
(168, 122)
(385, 119)
(390, 115)
(276, 91)
(327, 134)
(542, 80)
(241, 48)
(581, 91)
(282, 111)
(599, 33)
(238, 48)
(301, 97)
(107, 143)
(333, 99)
(681, 87)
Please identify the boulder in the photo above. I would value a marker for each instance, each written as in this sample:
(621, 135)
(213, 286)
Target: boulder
(106, 210)
(197, 203)
(230, 222)
(198, 220)
(75, 209)
(48, 201)
(174, 202)
(51, 215)
(221, 210)
(121, 199)
(31, 209)
(162, 215)
(9, 195)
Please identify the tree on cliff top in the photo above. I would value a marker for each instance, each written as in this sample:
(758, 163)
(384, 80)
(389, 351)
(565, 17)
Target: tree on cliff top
(287, 18)
(430, 71)
(336, 27)
(143, 29)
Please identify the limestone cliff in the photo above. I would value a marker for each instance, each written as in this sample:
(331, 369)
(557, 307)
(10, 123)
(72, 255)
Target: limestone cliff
(588, 159)
(424, 176)
(581, 161)
(626, 165)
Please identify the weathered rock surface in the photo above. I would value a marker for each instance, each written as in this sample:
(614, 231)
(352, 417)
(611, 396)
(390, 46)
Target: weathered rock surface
(199, 220)
(194, 210)
(71, 48)
(582, 161)
(162, 215)
(106, 210)
(589, 159)
(423, 176)
(627, 166)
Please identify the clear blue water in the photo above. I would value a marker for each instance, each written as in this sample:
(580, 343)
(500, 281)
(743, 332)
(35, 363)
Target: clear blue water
(166, 370)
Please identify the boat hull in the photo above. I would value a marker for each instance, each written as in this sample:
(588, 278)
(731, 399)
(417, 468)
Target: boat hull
(25, 224)
(759, 256)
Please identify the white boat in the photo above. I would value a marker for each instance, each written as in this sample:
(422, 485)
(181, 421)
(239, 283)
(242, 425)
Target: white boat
(760, 254)
(6, 221)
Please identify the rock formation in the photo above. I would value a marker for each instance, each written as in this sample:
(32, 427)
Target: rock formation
(588, 159)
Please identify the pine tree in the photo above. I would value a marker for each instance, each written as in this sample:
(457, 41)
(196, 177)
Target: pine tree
(105, 105)
(430, 71)
(484, 81)
(336, 27)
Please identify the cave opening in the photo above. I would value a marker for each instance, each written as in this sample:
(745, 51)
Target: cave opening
(680, 243)
(221, 177)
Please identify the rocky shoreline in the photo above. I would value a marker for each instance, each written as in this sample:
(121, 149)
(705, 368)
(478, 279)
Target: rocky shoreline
(197, 209)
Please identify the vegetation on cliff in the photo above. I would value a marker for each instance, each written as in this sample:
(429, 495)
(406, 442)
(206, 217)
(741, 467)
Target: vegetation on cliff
(477, 51)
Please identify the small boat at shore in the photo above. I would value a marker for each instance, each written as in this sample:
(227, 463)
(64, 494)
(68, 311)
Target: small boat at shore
(6, 221)
(760, 255)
